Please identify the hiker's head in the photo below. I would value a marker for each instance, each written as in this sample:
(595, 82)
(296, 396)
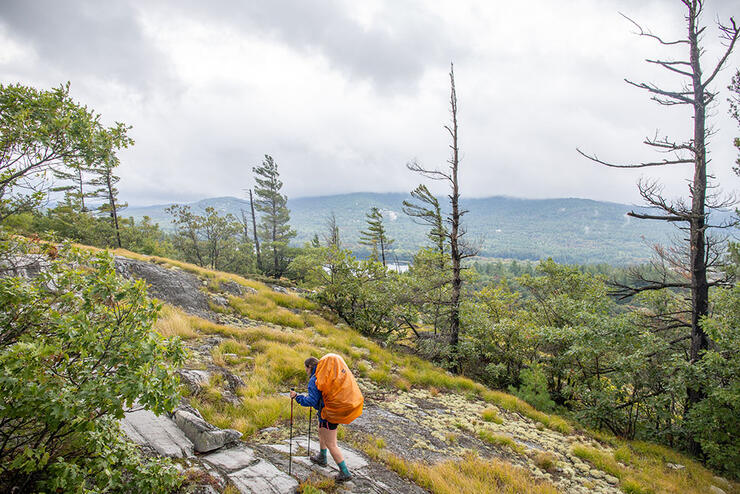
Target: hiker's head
(310, 364)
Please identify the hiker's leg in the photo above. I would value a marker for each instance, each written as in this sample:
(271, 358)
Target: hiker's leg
(330, 436)
(320, 458)
(322, 437)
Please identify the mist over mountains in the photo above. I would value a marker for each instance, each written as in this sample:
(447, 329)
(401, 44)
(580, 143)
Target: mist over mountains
(568, 230)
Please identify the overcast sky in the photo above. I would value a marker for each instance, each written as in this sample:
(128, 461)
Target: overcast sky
(344, 93)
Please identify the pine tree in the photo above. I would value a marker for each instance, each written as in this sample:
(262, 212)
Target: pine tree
(428, 213)
(375, 236)
(274, 227)
(434, 290)
(331, 237)
(75, 189)
(106, 182)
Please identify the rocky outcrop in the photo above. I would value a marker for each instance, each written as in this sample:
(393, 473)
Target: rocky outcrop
(234, 288)
(204, 436)
(194, 379)
(368, 477)
(158, 433)
(249, 473)
(252, 469)
(170, 285)
(23, 266)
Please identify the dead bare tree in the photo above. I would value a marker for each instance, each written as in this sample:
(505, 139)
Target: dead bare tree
(693, 218)
(332, 235)
(458, 250)
(734, 101)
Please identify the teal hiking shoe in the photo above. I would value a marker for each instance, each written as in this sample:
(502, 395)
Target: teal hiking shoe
(343, 477)
(319, 460)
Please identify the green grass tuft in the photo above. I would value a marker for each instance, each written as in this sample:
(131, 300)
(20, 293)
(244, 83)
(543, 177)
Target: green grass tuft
(501, 440)
(491, 415)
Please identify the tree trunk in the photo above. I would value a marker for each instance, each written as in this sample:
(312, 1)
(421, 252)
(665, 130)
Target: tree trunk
(82, 194)
(245, 226)
(382, 250)
(455, 227)
(112, 202)
(254, 230)
(699, 286)
(274, 238)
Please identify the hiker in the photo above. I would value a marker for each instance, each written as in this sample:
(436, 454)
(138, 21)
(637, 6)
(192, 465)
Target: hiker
(338, 383)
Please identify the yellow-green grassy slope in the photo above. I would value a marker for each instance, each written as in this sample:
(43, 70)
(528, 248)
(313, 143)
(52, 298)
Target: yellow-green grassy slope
(268, 335)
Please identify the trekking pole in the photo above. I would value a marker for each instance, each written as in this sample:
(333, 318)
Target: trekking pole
(290, 448)
(309, 433)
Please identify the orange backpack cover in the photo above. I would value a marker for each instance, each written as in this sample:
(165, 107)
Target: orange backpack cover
(342, 397)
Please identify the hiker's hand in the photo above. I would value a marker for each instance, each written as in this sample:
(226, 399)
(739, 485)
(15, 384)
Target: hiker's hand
(293, 394)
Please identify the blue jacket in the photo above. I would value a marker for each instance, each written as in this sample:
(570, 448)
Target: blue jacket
(314, 398)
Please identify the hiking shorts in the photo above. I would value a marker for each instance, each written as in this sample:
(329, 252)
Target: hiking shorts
(326, 424)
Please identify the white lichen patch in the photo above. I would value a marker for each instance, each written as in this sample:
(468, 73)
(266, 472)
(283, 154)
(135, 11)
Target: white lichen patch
(438, 417)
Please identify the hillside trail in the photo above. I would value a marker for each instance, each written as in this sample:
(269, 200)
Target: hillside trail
(412, 425)
(417, 425)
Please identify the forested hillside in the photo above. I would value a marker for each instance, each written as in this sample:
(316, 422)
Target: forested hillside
(579, 231)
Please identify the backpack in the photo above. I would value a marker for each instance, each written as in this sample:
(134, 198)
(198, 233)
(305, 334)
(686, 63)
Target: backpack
(342, 397)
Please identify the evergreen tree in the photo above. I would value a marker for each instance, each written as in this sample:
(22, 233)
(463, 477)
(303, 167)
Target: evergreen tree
(429, 213)
(331, 237)
(75, 185)
(274, 227)
(375, 236)
(433, 289)
(106, 182)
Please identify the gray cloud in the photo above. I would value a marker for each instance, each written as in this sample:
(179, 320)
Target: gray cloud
(344, 98)
(90, 37)
(392, 53)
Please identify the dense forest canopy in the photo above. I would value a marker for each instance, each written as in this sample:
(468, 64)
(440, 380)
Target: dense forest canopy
(577, 231)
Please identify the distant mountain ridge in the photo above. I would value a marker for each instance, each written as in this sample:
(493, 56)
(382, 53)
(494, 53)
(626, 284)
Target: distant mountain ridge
(568, 230)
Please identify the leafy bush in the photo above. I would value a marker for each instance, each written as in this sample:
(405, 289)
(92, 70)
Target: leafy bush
(534, 389)
(77, 348)
(715, 421)
(364, 294)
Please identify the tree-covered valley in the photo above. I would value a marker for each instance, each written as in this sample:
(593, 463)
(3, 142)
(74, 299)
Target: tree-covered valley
(572, 231)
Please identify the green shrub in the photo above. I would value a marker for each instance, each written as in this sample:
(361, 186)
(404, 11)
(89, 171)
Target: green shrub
(77, 347)
(533, 389)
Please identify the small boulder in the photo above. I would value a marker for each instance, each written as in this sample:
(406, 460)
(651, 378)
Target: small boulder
(716, 490)
(204, 436)
(231, 287)
(675, 466)
(232, 380)
(157, 432)
(194, 379)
